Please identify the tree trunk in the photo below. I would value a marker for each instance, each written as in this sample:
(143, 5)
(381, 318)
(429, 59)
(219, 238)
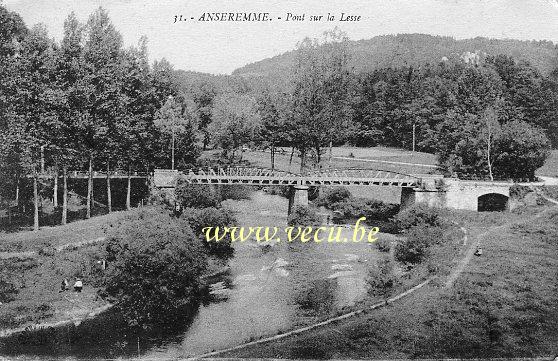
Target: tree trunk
(128, 190)
(330, 152)
(172, 150)
(488, 158)
(42, 159)
(302, 161)
(291, 159)
(109, 196)
(36, 203)
(17, 192)
(65, 196)
(55, 189)
(89, 188)
(272, 157)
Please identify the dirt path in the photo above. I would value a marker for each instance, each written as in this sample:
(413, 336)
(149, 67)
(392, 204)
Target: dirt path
(456, 272)
(388, 162)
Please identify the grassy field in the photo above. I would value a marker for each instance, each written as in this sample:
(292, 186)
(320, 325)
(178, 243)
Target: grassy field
(367, 158)
(30, 286)
(503, 305)
(78, 231)
(378, 158)
(550, 168)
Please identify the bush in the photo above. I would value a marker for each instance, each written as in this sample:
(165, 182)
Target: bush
(7, 289)
(383, 244)
(332, 195)
(382, 278)
(196, 195)
(154, 265)
(303, 216)
(378, 210)
(419, 215)
(283, 191)
(235, 191)
(414, 248)
(211, 217)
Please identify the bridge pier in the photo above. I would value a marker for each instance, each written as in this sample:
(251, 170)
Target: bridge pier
(298, 197)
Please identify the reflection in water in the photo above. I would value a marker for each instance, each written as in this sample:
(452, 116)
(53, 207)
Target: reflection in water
(269, 288)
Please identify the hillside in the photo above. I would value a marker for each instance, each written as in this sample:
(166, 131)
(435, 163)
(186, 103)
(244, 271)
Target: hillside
(415, 49)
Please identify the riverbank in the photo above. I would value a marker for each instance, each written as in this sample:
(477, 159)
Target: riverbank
(501, 305)
(30, 278)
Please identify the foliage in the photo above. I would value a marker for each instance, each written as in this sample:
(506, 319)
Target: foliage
(383, 244)
(331, 195)
(235, 121)
(419, 215)
(235, 191)
(347, 207)
(155, 262)
(414, 248)
(196, 195)
(522, 149)
(303, 216)
(382, 278)
(283, 191)
(211, 217)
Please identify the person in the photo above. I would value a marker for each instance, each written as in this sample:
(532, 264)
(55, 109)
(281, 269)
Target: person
(78, 285)
(64, 285)
(177, 209)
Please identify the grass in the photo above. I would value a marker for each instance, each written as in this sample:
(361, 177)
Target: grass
(550, 168)
(78, 231)
(262, 159)
(37, 280)
(503, 305)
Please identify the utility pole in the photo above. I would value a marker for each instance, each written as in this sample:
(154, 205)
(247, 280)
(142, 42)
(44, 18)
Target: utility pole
(414, 136)
(172, 149)
(42, 159)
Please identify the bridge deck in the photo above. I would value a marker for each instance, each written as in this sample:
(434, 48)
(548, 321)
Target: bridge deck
(258, 176)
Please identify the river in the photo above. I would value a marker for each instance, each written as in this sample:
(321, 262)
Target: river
(268, 289)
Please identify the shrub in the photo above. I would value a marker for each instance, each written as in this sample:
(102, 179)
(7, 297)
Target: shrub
(378, 210)
(235, 191)
(382, 278)
(414, 247)
(283, 191)
(419, 215)
(196, 195)
(383, 244)
(303, 216)
(7, 289)
(154, 265)
(211, 217)
(332, 195)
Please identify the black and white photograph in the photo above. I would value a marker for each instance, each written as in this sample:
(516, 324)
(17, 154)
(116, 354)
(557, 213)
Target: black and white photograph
(278, 180)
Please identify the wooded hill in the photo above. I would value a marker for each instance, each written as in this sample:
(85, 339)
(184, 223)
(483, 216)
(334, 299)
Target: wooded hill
(417, 49)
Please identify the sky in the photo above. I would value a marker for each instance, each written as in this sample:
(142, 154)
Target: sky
(221, 47)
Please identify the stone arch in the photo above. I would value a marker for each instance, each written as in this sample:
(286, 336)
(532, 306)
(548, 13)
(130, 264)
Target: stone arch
(491, 202)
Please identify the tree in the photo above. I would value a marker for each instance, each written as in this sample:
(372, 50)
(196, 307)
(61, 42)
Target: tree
(34, 121)
(322, 94)
(490, 134)
(521, 150)
(155, 262)
(273, 128)
(235, 122)
(382, 278)
(175, 119)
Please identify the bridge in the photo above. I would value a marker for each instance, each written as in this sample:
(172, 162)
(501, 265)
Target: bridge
(263, 176)
(433, 190)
